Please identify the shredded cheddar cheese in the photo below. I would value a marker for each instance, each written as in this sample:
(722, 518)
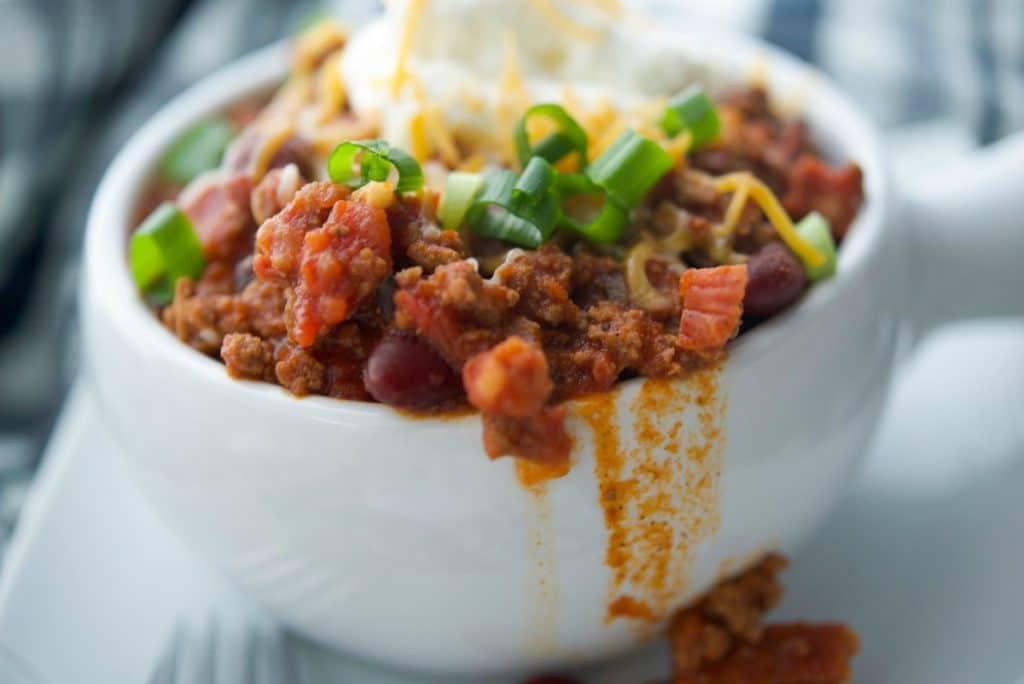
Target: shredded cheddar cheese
(677, 147)
(569, 101)
(418, 137)
(314, 42)
(513, 97)
(604, 141)
(735, 210)
(266, 151)
(473, 163)
(772, 209)
(325, 137)
(441, 135)
(296, 92)
(428, 130)
(409, 22)
(512, 82)
(565, 24)
(610, 7)
(330, 88)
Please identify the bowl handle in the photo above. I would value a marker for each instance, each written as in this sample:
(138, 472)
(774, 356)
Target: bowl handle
(966, 238)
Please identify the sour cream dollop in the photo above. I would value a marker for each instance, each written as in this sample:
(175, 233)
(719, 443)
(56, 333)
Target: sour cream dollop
(459, 53)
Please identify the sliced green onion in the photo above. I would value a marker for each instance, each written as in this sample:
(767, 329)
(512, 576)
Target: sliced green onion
(497, 214)
(459, 192)
(163, 249)
(629, 168)
(569, 184)
(376, 158)
(814, 228)
(569, 137)
(198, 149)
(692, 110)
(609, 224)
(535, 182)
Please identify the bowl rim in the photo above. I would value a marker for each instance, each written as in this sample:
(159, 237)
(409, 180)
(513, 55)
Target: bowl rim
(108, 284)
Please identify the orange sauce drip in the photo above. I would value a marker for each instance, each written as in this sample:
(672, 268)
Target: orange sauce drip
(660, 498)
(629, 607)
(532, 474)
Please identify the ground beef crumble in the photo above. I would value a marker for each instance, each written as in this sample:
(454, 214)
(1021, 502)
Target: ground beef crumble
(721, 638)
(307, 280)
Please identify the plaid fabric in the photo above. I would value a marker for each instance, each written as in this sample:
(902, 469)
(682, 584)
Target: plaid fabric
(78, 76)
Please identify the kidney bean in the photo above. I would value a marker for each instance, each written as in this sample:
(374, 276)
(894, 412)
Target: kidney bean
(406, 371)
(242, 274)
(775, 279)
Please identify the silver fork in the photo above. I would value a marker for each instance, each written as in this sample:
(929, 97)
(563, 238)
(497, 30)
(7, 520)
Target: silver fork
(215, 654)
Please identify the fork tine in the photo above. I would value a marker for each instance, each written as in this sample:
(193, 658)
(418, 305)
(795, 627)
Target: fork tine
(196, 658)
(166, 670)
(210, 655)
(272, 659)
(209, 650)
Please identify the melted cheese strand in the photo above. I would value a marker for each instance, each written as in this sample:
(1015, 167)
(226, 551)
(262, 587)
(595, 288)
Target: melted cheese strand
(772, 208)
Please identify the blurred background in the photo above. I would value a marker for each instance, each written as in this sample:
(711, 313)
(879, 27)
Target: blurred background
(77, 77)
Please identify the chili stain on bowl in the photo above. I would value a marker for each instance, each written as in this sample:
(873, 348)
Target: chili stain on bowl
(659, 498)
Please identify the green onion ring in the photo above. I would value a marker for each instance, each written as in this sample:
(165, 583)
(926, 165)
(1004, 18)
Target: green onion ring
(629, 168)
(376, 158)
(815, 229)
(163, 249)
(609, 224)
(499, 213)
(459, 192)
(569, 137)
(692, 110)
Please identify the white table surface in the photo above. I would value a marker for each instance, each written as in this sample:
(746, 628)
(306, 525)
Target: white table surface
(925, 558)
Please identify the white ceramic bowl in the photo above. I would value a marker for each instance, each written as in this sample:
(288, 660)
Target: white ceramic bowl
(396, 539)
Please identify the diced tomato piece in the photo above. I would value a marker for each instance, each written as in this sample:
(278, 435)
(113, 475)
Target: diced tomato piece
(279, 239)
(332, 252)
(511, 379)
(342, 264)
(712, 305)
